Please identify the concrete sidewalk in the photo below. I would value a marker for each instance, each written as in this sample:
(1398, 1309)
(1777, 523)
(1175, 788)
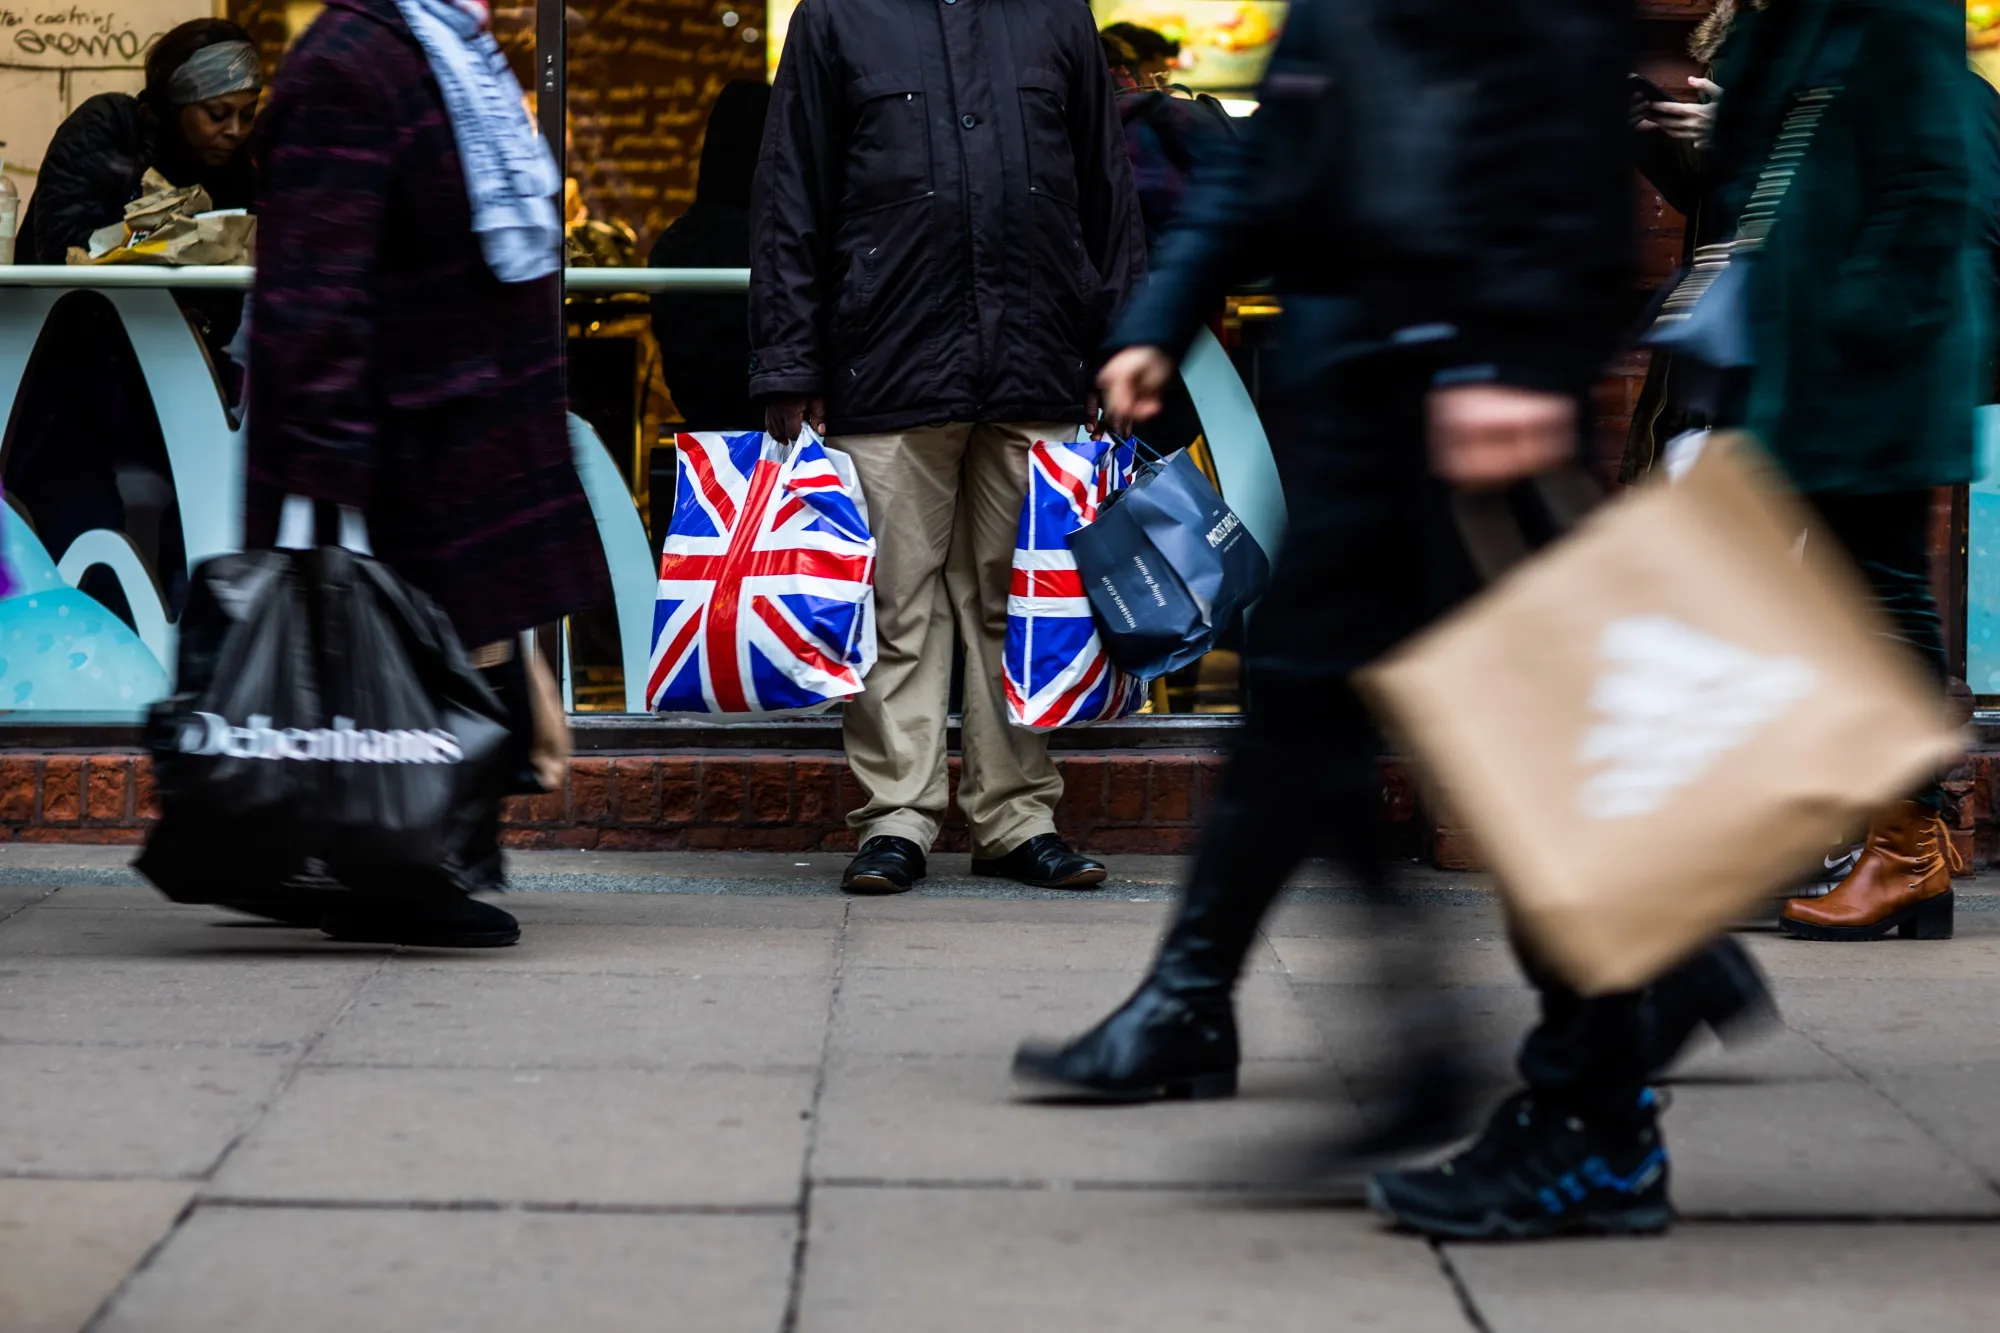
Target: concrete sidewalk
(727, 1099)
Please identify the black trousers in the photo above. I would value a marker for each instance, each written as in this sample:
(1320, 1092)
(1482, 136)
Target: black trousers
(1889, 538)
(1371, 556)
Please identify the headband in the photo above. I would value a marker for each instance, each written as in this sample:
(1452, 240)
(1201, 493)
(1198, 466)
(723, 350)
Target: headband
(216, 70)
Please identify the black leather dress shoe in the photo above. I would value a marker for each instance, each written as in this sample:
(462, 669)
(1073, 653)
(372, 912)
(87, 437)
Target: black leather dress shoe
(1157, 1045)
(886, 865)
(1046, 862)
(427, 921)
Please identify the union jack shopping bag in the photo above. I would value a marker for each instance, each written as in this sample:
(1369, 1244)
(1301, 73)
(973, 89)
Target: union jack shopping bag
(1057, 672)
(767, 580)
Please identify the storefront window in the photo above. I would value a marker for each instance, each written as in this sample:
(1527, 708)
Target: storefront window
(661, 113)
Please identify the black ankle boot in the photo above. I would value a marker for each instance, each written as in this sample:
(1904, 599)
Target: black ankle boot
(1157, 1045)
(1537, 1172)
(1722, 988)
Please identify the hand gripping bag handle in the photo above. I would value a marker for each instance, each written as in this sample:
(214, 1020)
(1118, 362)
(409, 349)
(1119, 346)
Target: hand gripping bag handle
(298, 527)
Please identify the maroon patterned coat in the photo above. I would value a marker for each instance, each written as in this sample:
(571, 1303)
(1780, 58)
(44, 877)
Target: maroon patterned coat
(389, 369)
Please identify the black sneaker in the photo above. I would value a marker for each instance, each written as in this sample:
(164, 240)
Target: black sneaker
(1045, 862)
(1536, 1172)
(886, 865)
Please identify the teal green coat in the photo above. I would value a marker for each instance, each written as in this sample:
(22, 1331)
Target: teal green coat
(1864, 319)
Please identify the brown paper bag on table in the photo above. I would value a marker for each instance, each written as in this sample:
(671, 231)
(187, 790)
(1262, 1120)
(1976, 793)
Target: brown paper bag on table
(1654, 722)
(172, 226)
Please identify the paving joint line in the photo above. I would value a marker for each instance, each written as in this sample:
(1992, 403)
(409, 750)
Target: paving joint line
(1861, 1076)
(284, 1085)
(1468, 1305)
(796, 1285)
(574, 1207)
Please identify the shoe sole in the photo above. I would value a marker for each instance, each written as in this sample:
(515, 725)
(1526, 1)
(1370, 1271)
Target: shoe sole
(1649, 1220)
(493, 939)
(1088, 879)
(1209, 1087)
(875, 886)
(1930, 919)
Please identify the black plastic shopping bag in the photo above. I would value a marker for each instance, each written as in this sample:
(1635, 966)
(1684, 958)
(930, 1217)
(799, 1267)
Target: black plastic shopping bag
(324, 710)
(1167, 567)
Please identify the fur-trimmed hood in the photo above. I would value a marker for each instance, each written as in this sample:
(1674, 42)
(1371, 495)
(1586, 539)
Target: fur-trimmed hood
(1713, 31)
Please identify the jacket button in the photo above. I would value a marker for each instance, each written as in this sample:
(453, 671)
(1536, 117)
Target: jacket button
(968, 121)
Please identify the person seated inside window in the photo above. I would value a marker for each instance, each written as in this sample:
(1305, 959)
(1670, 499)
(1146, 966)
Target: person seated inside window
(191, 124)
(86, 450)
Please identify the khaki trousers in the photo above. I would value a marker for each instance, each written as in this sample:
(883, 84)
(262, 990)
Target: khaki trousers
(945, 503)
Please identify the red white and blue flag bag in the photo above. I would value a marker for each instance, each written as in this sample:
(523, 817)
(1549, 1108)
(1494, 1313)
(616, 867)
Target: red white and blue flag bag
(1057, 672)
(767, 580)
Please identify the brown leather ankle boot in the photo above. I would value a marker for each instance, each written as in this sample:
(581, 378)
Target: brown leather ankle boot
(1902, 882)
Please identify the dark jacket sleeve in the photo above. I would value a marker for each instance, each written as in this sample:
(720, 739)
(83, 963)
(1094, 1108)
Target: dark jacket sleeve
(1114, 229)
(791, 200)
(1908, 96)
(330, 159)
(1545, 184)
(88, 175)
(1224, 233)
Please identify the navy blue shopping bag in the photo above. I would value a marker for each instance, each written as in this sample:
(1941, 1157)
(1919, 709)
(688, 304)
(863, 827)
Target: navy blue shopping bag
(1167, 566)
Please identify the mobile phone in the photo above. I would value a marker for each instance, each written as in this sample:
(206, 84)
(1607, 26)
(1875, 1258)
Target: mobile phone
(1646, 90)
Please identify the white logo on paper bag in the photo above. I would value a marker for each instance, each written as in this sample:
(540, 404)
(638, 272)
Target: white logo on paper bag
(1673, 702)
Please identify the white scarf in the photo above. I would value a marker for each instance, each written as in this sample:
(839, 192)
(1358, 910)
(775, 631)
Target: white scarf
(510, 174)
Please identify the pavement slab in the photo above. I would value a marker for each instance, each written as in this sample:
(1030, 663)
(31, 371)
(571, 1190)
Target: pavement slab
(1740, 1279)
(714, 1138)
(1898, 1026)
(476, 1016)
(984, 1011)
(633, 949)
(999, 1261)
(258, 1002)
(116, 1111)
(65, 1245)
(1812, 1149)
(338, 1271)
(706, 1092)
(964, 1120)
(166, 934)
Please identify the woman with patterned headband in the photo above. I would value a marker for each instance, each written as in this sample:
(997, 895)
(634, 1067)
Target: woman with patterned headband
(191, 124)
(87, 451)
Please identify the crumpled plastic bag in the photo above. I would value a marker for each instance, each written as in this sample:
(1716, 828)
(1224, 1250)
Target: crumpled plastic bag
(172, 225)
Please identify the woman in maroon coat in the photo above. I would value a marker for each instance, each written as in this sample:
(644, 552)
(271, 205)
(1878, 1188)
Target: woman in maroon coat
(392, 368)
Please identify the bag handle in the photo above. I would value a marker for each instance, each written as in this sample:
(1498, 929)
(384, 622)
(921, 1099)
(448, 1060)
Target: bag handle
(1491, 528)
(298, 527)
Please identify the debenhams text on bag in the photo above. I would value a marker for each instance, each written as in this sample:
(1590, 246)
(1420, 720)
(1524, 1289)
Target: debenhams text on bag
(343, 743)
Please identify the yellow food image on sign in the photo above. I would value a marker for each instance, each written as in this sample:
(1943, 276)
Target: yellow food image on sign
(1982, 27)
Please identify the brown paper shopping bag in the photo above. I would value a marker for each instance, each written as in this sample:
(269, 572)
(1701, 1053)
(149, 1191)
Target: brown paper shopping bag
(1649, 725)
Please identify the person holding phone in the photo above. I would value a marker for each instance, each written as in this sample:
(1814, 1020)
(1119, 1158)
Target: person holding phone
(1670, 142)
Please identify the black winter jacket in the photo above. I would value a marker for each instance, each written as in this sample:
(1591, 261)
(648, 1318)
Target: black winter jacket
(93, 168)
(944, 215)
(1458, 172)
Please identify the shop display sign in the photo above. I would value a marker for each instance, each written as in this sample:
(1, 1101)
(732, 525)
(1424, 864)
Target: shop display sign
(1225, 44)
(1982, 39)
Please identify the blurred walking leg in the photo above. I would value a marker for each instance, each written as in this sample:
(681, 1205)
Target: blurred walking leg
(1355, 575)
(1902, 881)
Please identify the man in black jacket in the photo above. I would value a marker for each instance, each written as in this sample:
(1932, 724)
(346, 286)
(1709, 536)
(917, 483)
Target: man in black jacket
(1443, 193)
(944, 224)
